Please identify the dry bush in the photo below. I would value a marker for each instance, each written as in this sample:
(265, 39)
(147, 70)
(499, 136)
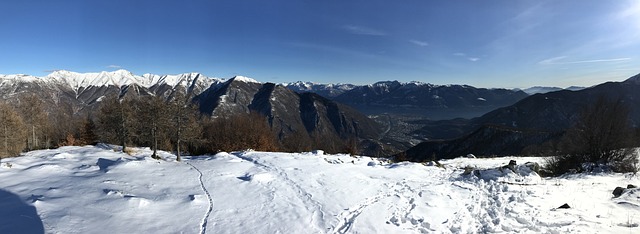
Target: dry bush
(69, 141)
(601, 139)
(239, 132)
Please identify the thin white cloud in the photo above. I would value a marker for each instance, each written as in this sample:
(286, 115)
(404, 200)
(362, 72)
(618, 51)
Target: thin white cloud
(560, 60)
(472, 59)
(554, 60)
(114, 66)
(419, 43)
(360, 30)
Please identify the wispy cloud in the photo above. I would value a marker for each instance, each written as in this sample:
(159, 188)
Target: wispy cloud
(419, 43)
(561, 60)
(472, 59)
(114, 66)
(52, 70)
(360, 30)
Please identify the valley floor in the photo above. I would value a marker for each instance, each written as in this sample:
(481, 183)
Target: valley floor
(94, 189)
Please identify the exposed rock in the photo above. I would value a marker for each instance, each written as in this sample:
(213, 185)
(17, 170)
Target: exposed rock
(618, 191)
(511, 166)
(631, 186)
(565, 206)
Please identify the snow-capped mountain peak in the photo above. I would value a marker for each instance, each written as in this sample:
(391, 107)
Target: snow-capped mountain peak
(80, 80)
(245, 79)
(119, 78)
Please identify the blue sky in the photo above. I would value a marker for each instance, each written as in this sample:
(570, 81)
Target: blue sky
(501, 43)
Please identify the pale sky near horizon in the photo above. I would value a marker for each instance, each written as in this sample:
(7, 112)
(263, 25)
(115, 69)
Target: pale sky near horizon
(501, 43)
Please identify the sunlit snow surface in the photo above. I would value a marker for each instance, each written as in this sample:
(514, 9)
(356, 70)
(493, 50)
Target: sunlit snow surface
(97, 190)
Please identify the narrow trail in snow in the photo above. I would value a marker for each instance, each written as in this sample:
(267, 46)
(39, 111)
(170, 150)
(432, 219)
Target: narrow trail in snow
(203, 228)
(349, 216)
(303, 195)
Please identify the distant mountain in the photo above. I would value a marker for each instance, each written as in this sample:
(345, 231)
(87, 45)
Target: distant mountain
(85, 89)
(289, 112)
(542, 116)
(325, 90)
(540, 89)
(575, 88)
(488, 140)
(543, 89)
(433, 101)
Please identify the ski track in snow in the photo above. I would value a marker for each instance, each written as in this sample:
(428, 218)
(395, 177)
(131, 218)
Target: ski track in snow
(205, 220)
(304, 196)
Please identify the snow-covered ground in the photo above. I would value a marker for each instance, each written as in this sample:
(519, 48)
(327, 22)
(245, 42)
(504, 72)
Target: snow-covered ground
(94, 189)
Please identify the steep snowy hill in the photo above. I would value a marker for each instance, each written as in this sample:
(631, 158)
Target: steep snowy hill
(96, 190)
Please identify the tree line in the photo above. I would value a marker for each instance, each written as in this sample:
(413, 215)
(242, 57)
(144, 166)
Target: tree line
(170, 123)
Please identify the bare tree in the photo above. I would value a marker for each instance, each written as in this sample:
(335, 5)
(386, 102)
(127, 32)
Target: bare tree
(240, 132)
(602, 136)
(115, 118)
(152, 120)
(12, 132)
(63, 123)
(31, 109)
(87, 132)
(184, 121)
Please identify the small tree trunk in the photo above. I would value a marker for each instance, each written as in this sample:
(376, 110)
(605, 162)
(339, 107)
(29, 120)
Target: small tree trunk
(33, 133)
(6, 141)
(178, 134)
(124, 130)
(155, 143)
(178, 151)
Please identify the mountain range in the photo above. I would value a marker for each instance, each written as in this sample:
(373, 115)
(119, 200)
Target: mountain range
(288, 113)
(504, 121)
(529, 123)
(545, 89)
(85, 89)
(415, 98)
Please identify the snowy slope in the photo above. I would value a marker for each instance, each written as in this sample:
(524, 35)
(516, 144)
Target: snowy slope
(96, 190)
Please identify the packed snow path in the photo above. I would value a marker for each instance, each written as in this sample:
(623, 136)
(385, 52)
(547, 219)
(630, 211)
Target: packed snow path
(97, 190)
(210, 200)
